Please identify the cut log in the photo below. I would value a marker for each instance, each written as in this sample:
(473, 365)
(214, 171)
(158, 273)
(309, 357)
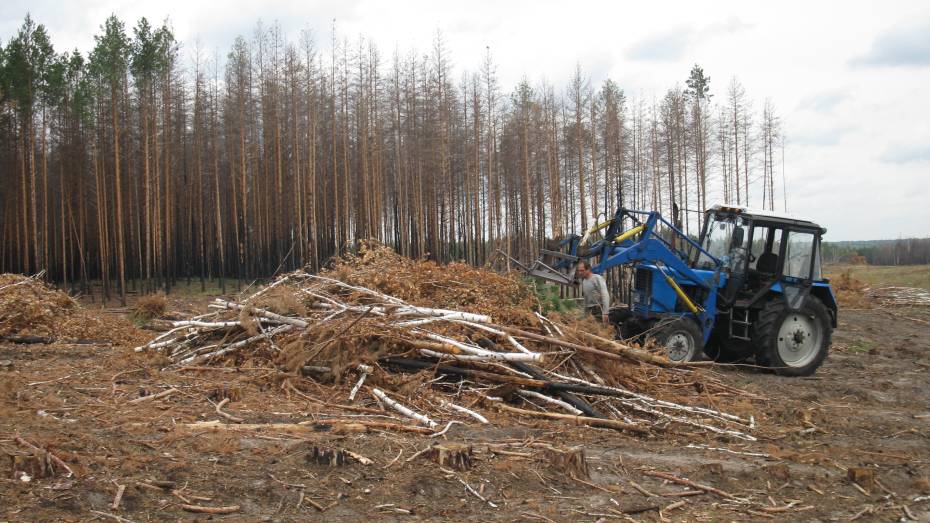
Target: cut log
(623, 352)
(324, 425)
(568, 397)
(459, 371)
(420, 418)
(28, 339)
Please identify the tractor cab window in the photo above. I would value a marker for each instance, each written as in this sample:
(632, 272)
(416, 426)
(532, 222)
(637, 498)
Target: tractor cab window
(766, 244)
(759, 236)
(800, 254)
(725, 235)
(817, 274)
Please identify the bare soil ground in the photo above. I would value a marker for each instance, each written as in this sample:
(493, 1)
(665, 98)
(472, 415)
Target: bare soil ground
(868, 407)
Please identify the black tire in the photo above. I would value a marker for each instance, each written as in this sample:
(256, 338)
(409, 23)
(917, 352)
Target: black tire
(627, 331)
(727, 350)
(810, 334)
(685, 338)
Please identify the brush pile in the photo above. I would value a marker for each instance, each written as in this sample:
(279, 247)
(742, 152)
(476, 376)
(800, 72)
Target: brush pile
(29, 307)
(900, 296)
(851, 293)
(32, 311)
(448, 344)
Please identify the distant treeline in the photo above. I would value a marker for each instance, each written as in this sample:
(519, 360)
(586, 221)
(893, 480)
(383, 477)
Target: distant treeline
(910, 251)
(131, 166)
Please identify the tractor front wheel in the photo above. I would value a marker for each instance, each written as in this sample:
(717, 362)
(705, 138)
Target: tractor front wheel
(682, 339)
(792, 343)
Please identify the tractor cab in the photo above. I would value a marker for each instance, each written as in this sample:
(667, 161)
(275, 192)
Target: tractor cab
(776, 302)
(760, 249)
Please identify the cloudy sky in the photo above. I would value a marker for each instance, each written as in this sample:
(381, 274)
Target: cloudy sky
(851, 80)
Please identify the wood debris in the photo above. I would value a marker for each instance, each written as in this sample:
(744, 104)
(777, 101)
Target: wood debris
(464, 329)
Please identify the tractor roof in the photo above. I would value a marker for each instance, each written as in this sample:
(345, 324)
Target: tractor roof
(770, 216)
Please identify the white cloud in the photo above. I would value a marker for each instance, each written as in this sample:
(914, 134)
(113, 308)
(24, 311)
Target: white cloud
(906, 154)
(825, 101)
(905, 44)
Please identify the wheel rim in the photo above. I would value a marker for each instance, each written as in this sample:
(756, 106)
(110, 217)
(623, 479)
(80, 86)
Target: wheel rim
(799, 340)
(679, 346)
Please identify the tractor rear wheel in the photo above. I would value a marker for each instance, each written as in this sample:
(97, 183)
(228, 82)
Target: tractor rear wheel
(792, 343)
(682, 339)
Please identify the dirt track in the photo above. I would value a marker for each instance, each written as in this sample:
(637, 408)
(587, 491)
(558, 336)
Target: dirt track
(867, 407)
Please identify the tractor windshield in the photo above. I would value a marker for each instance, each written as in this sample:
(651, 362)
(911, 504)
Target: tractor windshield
(719, 239)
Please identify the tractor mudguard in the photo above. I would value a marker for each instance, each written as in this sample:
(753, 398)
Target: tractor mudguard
(824, 292)
(794, 295)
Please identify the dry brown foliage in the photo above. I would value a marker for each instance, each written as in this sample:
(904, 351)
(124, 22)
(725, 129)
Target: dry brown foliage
(32, 307)
(151, 306)
(454, 286)
(851, 292)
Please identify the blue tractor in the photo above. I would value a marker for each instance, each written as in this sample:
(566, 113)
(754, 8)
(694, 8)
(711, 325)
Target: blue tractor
(750, 286)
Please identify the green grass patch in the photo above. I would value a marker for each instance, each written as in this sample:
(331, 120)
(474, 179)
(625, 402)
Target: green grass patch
(862, 346)
(550, 297)
(210, 288)
(885, 276)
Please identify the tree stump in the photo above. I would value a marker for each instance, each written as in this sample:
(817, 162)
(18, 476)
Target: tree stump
(571, 461)
(233, 393)
(328, 457)
(451, 455)
(779, 471)
(861, 475)
(35, 466)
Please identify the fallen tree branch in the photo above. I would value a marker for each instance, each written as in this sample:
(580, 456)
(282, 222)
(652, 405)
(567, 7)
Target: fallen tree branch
(365, 370)
(210, 510)
(301, 324)
(443, 431)
(236, 346)
(688, 483)
(475, 492)
(627, 353)
(27, 340)
(358, 457)
(150, 397)
(481, 419)
(578, 420)
(403, 410)
(37, 452)
(230, 417)
(306, 426)
(547, 399)
(120, 489)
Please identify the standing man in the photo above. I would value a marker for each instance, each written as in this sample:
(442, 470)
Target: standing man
(594, 291)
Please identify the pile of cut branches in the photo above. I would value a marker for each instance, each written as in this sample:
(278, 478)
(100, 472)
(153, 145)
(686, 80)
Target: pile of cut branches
(900, 296)
(33, 311)
(430, 363)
